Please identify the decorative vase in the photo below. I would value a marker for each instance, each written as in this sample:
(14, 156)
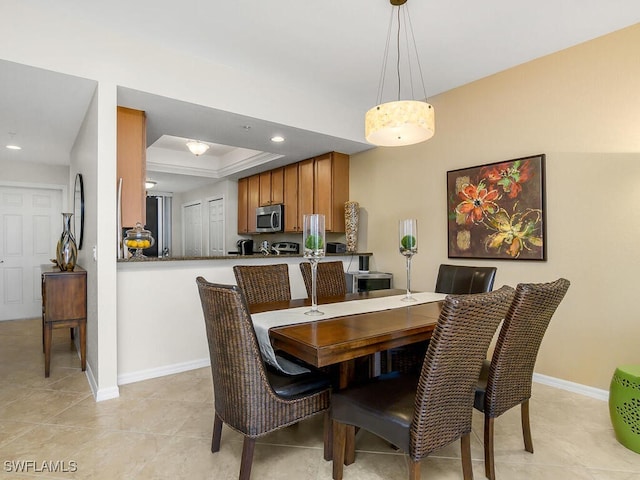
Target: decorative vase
(351, 214)
(66, 250)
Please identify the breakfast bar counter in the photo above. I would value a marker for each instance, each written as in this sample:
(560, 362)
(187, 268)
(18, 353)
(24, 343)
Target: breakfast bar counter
(160, 325)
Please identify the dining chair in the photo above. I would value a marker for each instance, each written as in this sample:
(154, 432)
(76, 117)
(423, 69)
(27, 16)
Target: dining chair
(249, 397)
(263, 283)
(330, 280)
(452, 279)
(505, 381)
(422, 414)
(458, 279)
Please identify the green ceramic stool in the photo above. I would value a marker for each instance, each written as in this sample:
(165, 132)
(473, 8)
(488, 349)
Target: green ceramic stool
(624, 405)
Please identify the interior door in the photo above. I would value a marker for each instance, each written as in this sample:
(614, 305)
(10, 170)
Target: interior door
(30, 224)
(216, 227)
(192, 230)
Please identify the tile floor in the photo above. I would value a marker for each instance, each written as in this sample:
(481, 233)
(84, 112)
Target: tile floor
(161, 429)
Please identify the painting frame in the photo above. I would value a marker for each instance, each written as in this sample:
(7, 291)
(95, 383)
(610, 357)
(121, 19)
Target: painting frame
(497, 211)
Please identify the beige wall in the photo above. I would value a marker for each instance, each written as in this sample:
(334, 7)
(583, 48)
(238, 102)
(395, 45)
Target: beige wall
(581, 107)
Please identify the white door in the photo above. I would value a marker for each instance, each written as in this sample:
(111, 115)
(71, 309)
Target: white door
(216, 227)
(30, 224)
(192, 230)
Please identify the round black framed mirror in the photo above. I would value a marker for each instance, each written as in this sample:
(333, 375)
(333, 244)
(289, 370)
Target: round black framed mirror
(78, 210)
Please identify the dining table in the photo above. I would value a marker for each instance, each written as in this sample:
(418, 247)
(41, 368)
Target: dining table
(341, 338)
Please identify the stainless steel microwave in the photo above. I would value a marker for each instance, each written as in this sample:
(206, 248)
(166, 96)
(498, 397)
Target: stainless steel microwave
(365, 282)
(270, 219)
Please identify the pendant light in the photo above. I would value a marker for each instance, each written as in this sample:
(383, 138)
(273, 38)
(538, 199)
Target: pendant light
(196, 147)
(400, 122)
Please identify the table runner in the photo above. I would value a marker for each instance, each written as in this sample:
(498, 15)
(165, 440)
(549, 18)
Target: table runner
(264, 321)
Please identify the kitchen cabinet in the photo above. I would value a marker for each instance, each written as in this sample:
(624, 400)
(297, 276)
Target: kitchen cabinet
(131, 164)
(315, 185)
(243, 200)
(292, 223)
(272, 187)
(253, 202)
(64, 304)
(331, 189)
(305, 190)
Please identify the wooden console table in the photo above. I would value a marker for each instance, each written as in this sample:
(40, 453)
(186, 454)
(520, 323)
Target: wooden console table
(64, 304)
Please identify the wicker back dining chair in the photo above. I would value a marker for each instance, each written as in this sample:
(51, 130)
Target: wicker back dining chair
(263, 283)
(249, 397)
(422, 419)
(330, 280)
(452, 279)
(505, 381)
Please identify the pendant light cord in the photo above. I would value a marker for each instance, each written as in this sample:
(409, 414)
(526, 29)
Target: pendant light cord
(408, 30)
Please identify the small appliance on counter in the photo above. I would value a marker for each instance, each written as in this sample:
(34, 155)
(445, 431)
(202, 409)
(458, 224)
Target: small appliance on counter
(265, 248)
(285, 248)
(365, 282)
(245, 247)
(336, 247)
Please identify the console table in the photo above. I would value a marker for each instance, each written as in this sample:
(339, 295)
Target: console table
(64, 304)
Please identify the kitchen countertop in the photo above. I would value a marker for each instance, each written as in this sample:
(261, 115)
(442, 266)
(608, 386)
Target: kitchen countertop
(232, 257)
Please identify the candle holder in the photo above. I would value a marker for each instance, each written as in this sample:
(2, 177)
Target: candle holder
(313, 241)
(408, 236)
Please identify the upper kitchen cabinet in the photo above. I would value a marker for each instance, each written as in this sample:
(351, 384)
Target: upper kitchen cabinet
(305, 190)
(315, 185)
(298, 194)
(131, 152)
(272, 187)
(243, 201)
(292, 222)
(331, 189)
(253, 202)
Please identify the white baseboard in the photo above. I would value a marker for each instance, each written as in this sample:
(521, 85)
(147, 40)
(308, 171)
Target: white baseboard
(100, 395)
(162, 371)
(141, 375)
(585, 390)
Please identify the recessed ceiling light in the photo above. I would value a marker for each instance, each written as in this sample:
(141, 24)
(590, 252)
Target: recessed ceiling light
(149, 184)
(277, 139)
(14, 147)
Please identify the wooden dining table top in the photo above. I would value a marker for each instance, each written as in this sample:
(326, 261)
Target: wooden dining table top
(322, 342)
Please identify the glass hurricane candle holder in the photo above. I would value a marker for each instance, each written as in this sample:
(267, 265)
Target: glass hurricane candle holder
(408, 237)
(313, 242)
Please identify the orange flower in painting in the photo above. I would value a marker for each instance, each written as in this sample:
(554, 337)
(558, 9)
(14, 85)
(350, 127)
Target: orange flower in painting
(510, 176)
(477, 202)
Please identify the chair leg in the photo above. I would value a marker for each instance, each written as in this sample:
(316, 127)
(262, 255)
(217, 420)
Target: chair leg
(217, 434)
(339, 437)
(247, 458)
(465, 450)
(350, 445)
(489, 467)
(328, 436)
(526, 427)
(414, 469)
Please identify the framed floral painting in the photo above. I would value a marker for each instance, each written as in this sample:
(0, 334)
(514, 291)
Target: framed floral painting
(497, 211)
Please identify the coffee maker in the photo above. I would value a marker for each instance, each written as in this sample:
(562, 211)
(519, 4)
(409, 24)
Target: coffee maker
(245, 247)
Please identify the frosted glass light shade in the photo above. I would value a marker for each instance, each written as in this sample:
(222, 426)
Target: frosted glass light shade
(395, 124)
(197, 148)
